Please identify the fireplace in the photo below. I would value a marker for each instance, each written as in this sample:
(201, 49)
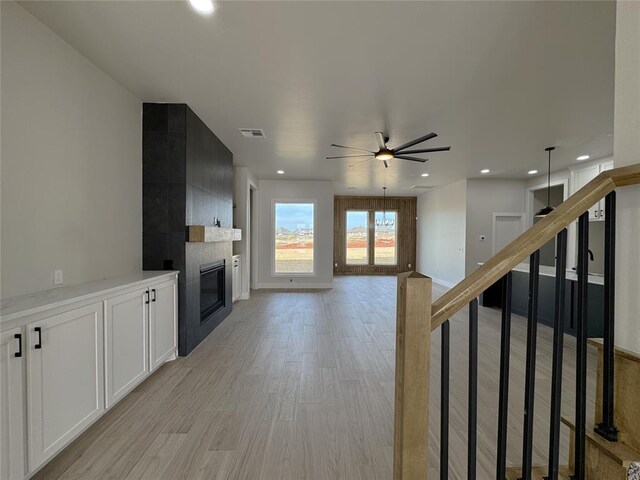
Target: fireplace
(212, 289)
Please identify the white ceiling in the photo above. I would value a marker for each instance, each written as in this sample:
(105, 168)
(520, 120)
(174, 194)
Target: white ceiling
(498, 81)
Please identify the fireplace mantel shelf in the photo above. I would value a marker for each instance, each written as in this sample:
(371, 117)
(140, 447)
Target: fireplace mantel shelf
(204, 233)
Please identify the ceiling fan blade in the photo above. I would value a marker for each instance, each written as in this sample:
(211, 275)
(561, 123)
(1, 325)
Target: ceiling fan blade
(424, 138)
(358, 163)
(386, 165)
(380, 140)
(352, 148)
(426, 150)
(350, 156)
(413, 159)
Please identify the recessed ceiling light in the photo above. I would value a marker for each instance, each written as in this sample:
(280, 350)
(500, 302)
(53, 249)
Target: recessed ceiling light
(582, 157)
(533, 172)
(205, 7)
(424, 175)
(280, 172)
(484, 171)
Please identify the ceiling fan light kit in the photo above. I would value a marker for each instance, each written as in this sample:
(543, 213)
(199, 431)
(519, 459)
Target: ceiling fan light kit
(384, 153)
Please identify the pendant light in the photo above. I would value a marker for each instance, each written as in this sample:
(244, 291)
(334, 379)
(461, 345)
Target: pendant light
(384, 222)
(548, 209)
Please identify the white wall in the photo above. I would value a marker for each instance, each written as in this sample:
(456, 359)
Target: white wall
(627, 152)
(557, 178)
(71, 163)
(484, 198)
(441, 233)
(243, 180)
(322, 193)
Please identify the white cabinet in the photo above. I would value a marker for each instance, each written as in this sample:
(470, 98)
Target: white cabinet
(12, 405)
(65, 379)
(236, 282)
(163, 312)
(582, 176)
(63, 363)
(126, 343)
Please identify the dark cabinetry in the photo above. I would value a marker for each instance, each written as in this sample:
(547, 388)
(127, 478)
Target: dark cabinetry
(546, 302)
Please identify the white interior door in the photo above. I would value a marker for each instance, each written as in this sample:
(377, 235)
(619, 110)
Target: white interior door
(506, 228)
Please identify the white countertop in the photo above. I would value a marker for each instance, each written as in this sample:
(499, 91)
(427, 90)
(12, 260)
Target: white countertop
(24, 305)
(551, 272)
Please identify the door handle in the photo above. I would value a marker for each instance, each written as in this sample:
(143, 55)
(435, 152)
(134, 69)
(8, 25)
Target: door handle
(38, 345)
(18, 336)
(154, 295)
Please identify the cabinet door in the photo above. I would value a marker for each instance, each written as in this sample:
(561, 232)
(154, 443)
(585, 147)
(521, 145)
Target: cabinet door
(163, 334)
(584, 176)
(65, 379)
(126, 341)
(601, 205)
(12, 418)
(237, 278)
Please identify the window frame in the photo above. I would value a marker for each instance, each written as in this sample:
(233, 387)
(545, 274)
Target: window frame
(274, 203)
(397, 216)
(346, 240)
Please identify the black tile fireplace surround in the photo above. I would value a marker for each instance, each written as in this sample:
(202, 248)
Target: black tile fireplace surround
(187, 180)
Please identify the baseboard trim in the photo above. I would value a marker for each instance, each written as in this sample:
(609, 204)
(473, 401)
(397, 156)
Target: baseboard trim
(289, 286)
(444, 283)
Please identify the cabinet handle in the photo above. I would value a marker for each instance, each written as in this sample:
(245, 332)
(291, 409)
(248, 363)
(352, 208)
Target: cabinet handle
(154, 295)
(595, 213)
(38, 345)
(18, 336)
(601, 213)
(146, 297)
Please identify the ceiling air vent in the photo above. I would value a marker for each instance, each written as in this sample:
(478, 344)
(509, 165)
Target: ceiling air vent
(252, 133)
(420, 187)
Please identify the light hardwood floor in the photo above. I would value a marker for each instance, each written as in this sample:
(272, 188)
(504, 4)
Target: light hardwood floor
(299, 385)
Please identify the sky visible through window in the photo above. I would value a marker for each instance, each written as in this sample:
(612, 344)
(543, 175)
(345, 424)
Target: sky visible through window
(294, 216)
(357, 219)
(294, 248)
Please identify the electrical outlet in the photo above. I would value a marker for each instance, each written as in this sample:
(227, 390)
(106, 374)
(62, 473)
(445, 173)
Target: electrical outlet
(335, 264)
(58, 277)
(409, 266)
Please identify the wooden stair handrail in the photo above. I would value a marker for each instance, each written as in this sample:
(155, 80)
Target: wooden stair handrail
(519, 250)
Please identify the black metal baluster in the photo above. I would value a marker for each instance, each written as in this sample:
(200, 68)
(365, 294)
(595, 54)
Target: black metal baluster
(558, 344)
(530, 378)
(503, 402)
(607, 428)
(472, 419)
(444, 402)
(581, 346)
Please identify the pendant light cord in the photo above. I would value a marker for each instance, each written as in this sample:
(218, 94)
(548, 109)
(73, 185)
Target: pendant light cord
(549, 181)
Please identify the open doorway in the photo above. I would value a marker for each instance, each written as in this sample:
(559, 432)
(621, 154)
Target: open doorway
(253, 240)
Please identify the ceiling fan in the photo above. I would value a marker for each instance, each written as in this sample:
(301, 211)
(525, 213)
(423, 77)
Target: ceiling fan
(385, 153)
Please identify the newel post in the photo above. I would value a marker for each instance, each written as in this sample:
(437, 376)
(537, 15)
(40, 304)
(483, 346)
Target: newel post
(413, 341)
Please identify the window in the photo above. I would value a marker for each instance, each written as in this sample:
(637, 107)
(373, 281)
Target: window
(357, 238)
(294, 238)
(385, 251)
